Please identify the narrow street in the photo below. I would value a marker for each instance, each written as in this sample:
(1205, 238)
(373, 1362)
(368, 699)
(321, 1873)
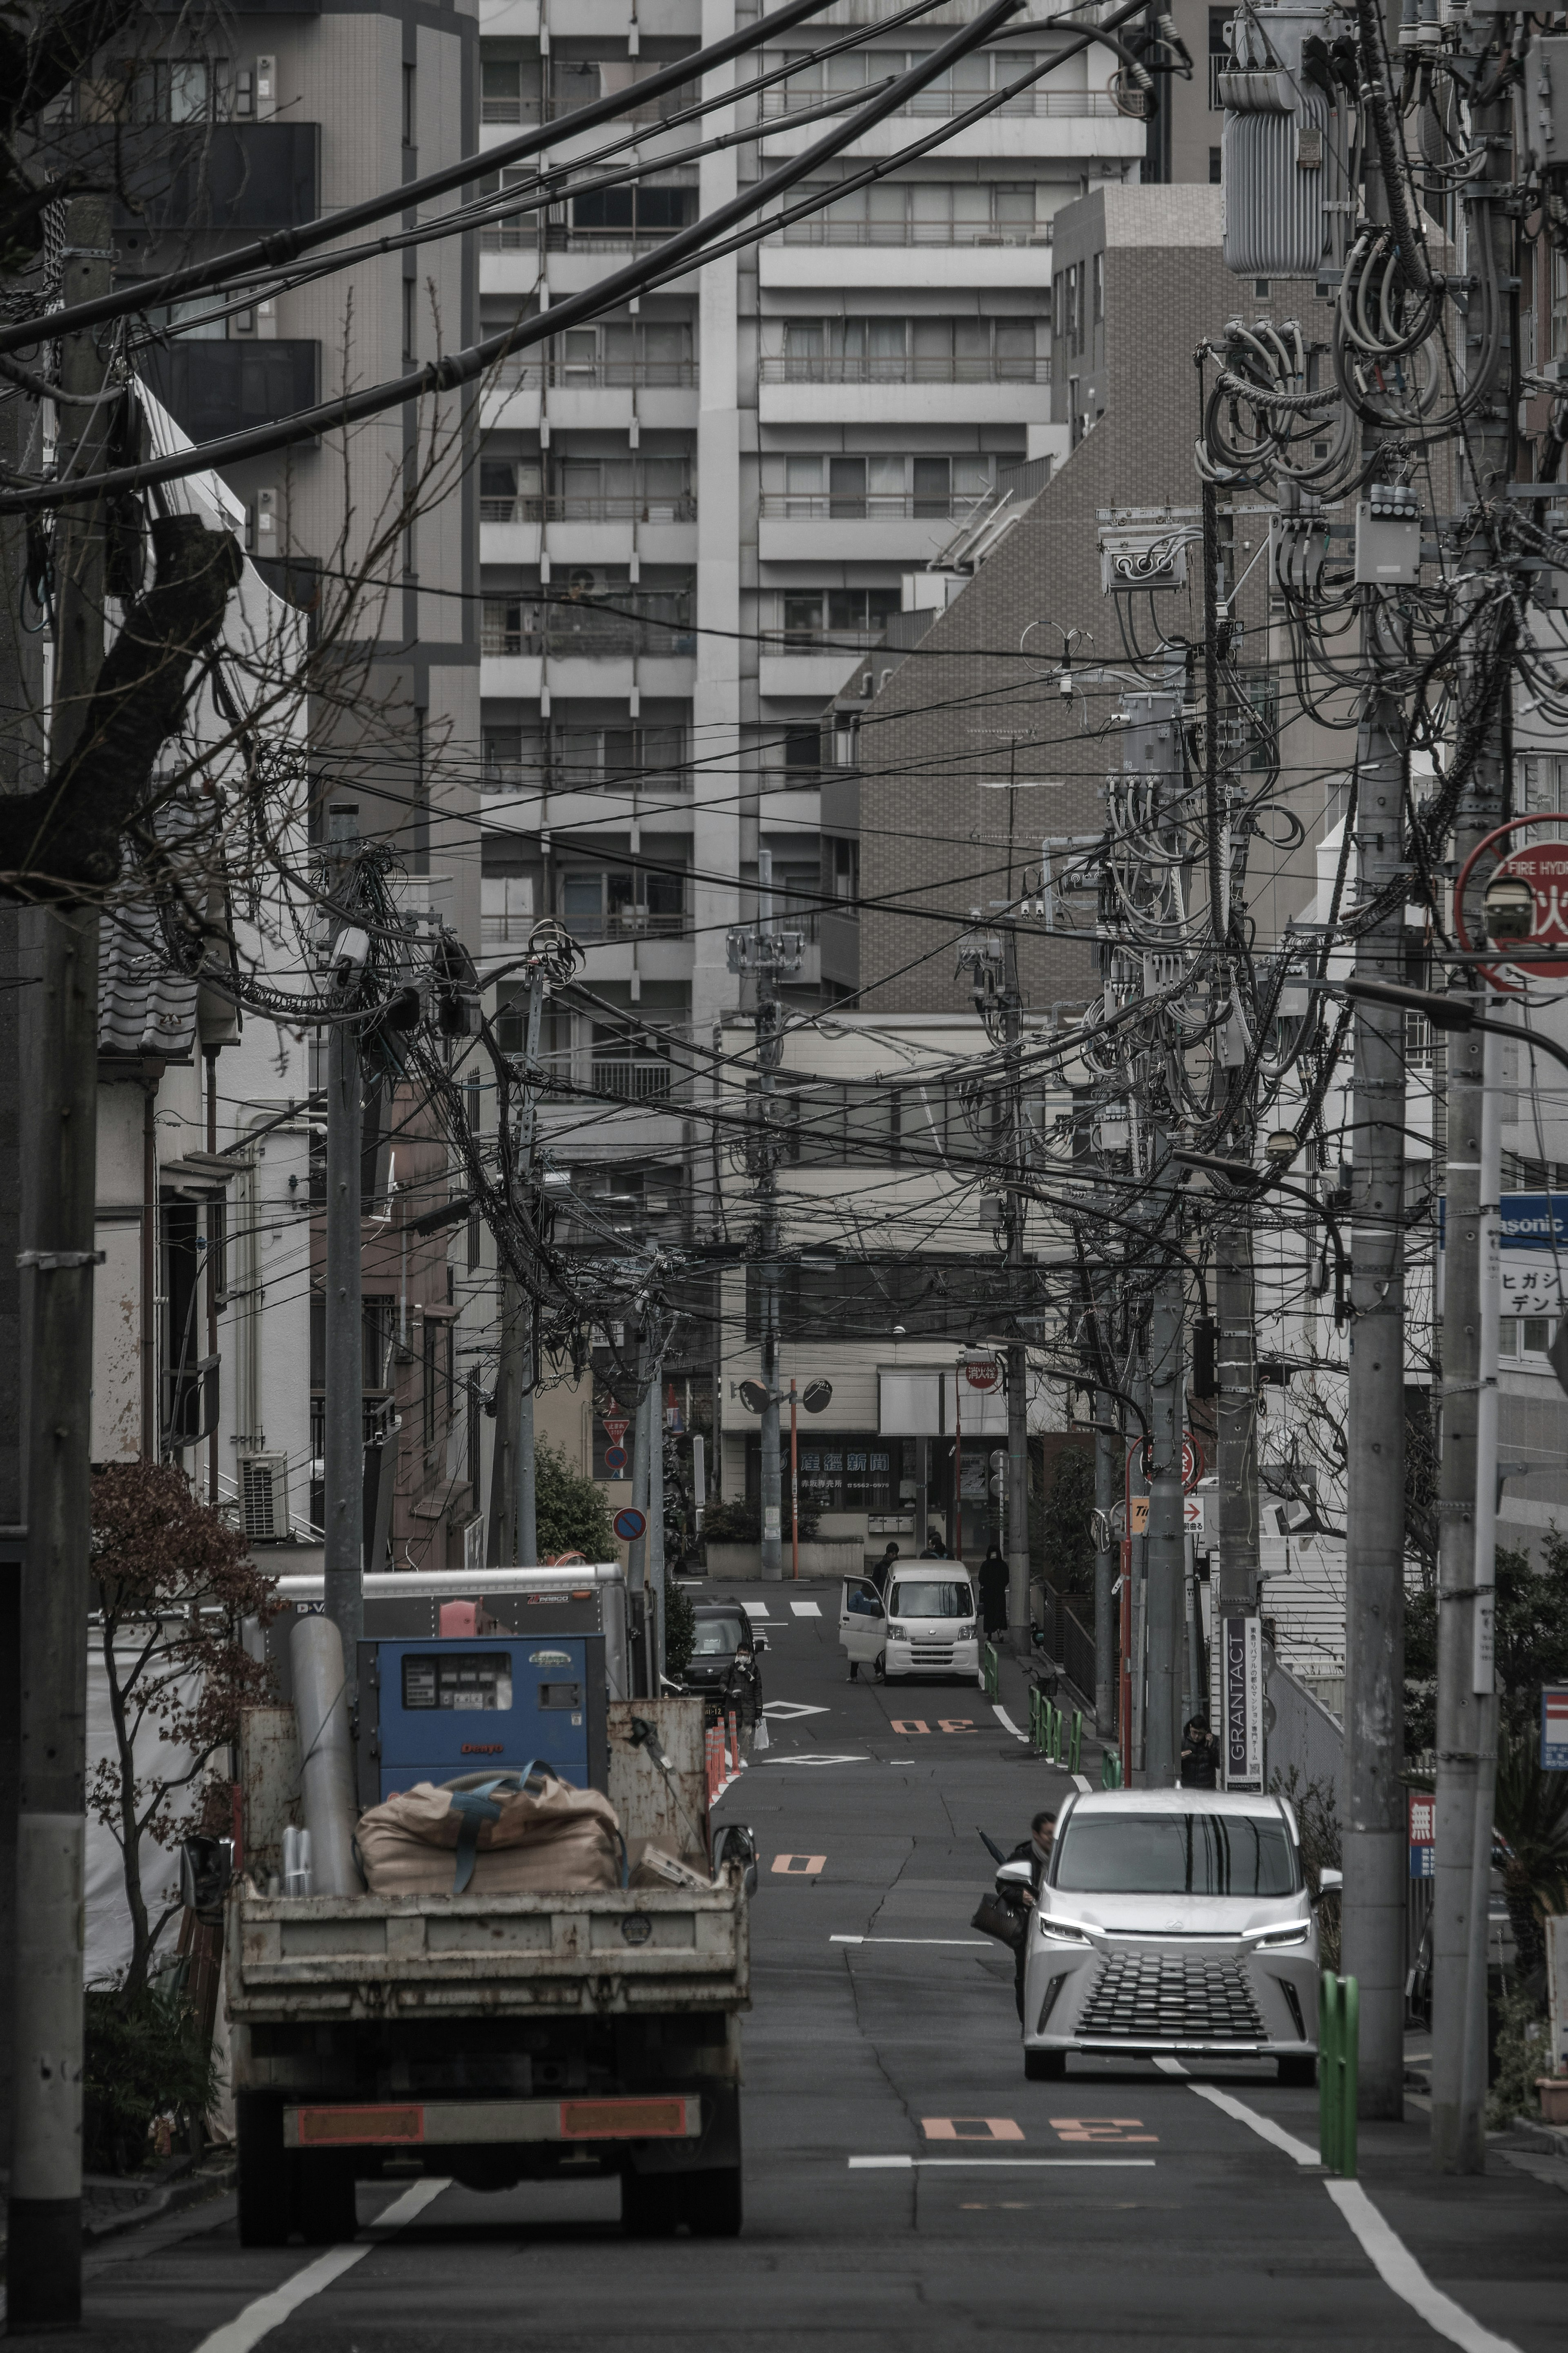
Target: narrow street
(904, 2185)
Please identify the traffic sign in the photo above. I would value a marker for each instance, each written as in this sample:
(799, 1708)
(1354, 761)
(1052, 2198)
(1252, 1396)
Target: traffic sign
(615, 1457)
(1554, 1729)
(1192, 1461)
(1193, 1515)
(1544, 866)
(616, 1429)
(1422, 1811)
(982, 1372)
(630, 1524)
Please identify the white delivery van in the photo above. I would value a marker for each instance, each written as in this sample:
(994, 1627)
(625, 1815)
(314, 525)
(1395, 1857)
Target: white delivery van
(926, 1626)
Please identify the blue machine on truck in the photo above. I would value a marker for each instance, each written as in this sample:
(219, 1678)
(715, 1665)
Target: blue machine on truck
(448, 1706)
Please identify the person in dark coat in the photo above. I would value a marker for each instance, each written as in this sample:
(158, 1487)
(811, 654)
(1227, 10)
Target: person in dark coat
(1035, 1851)
(994, 1592)
(1200, 1755)
(883, 1569)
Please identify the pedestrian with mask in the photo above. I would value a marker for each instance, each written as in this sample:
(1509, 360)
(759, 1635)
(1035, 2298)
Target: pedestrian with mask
(1035, 1851)
(1200, 1755)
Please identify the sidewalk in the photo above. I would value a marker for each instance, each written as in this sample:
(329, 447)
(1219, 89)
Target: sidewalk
(112, 2202)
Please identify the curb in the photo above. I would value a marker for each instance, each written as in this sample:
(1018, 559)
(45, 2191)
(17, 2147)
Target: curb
(189, 2191)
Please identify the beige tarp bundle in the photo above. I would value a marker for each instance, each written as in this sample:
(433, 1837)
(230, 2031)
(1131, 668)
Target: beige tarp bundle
(501, 1838)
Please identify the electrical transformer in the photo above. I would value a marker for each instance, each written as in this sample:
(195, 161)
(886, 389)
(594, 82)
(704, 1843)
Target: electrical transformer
(1285, 176)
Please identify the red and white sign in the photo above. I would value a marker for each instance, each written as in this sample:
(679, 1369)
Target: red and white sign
(1544, 866)
(1192, 1461)
(1423, 1818)
(982, 1372)
(616, 1431)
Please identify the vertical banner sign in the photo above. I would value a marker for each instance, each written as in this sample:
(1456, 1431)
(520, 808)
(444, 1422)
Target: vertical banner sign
(1244, 1704)
(1422, 1833)
(1557, 1989)
(1554, 1729)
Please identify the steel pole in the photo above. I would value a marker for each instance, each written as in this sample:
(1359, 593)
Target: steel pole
(58, 1157)
(344, 1448)
(1167, 1538)
(1107, 1496)
(1235, 1420)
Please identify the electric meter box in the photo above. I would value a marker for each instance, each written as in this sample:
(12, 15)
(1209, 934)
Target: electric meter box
(1388, 538)
(438, 1710)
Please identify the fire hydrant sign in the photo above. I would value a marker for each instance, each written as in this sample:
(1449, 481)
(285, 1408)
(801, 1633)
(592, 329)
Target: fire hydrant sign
(1554, 1729)
(1422, 1833)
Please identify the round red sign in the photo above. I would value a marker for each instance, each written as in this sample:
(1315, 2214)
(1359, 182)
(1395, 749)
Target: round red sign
(982, 1372)
(1544, 866)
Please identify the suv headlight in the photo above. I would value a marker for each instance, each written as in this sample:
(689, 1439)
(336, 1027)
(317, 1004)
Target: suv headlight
(896, 1634)
(1063, 1932)
(1295, 1932)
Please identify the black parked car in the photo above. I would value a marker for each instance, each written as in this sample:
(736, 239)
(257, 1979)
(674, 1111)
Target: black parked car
(723, 1663)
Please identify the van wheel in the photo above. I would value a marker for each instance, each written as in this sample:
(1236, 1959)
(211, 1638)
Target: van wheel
(709, 2201)
(1045, 2066)
(853, 1669)
(880, 1670)
(1303, 2072)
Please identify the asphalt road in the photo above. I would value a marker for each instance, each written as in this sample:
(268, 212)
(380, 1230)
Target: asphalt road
(1121, 2207)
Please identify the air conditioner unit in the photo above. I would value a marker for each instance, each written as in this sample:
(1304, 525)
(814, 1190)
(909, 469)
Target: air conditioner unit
(264, 1495)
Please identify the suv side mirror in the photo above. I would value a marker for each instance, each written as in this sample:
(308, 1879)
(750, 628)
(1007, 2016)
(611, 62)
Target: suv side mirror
(1329, 1882)
(1016, 1874)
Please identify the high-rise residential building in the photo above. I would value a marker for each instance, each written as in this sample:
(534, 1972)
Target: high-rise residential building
(696, 511)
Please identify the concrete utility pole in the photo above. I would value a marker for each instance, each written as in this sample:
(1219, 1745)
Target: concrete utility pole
(1466, 1703)
(1018, 1626)
(769, 1050)
(513, 1536)
(345, 1451)
(637, 1551)
(59, 1102)
(1372, 1809)
(1107, 1496)
(1236, 1426)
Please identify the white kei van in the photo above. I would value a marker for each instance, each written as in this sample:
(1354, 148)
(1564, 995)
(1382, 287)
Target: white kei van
(926, 1626)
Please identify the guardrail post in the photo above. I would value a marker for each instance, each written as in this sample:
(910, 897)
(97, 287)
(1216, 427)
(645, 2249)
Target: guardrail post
(1339, 2052)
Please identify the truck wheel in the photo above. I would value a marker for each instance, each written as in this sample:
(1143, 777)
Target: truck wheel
(711, 2201)
(329, 2212)
(266, 2172)
(650, 2205)
(1300, 2072)
(1045, 2066)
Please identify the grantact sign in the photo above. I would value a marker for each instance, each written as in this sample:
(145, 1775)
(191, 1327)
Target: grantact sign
(1533, 1262)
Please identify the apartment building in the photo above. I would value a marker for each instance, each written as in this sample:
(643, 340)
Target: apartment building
(694, 512)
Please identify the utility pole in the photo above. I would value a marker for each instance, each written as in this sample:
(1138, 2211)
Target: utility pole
(1106, 1481)
(344, 1449)
(59, 1155)
(1018, 1615)
(766, 953)
(511, 1537)
(1373, 1823)
(1236, 1428)
(1466, 1569)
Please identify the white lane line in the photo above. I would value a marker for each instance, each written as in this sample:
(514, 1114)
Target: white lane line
(993, 2165)
(1265, 2126)
(1005, 1720)
(806, 1610)
(1084, 1783)
(1398, 2269)
(755, 1608)
(269, 2312)
(1170, 2066)
(969, 1944)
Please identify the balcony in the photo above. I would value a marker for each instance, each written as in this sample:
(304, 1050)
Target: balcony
(820, 230)
(906, 368)
(213, 177)
(211, 389)
(534, 374)
(1041, 101)
(623, 924)
(588, 509)
(868, 506)
(607, 637)
(904, 390)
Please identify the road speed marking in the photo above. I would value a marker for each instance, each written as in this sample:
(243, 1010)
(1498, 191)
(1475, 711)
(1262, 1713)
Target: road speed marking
(1102, 2128)
(799, 1866)
(971, 2128)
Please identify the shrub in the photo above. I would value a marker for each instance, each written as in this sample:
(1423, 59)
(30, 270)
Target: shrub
(569, 1512)
(1522, 2053)
(680, 1627)
(1322, 1848)
(143, 2058)
(742, 1523)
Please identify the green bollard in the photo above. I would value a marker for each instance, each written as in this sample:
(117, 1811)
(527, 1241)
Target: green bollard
(1075, 1754)
(1349, 2072)
(1328, 2085)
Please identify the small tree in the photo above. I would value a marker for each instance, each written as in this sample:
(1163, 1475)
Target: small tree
(1067, 1540)
(174, 1587)
(570, 1515)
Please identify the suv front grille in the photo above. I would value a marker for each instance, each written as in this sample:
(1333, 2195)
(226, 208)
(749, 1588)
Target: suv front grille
(1140, 1996)
(926, 1654)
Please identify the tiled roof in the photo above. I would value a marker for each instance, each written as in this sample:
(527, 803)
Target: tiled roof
(143, 1007)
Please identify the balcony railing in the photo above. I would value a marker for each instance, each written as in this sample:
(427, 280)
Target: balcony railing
(871, 506)
(508, 109)
(623, 924)
(610, 639)
(605, 510)
(529, 375)
(519, 776)
(903, 368)
(1096, 103)
(633, 1082)
(522, 236)
(821, 229)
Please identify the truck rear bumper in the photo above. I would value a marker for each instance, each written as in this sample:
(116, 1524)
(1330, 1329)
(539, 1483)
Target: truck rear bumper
(426, 2124)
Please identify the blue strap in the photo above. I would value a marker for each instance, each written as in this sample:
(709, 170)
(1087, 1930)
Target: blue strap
(478, 1807)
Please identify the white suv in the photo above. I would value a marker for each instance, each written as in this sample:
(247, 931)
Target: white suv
(1173, 1921)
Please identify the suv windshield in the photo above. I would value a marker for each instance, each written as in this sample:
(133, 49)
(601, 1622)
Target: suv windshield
(930, 1600)
(716, 1638)
(1176, 1854)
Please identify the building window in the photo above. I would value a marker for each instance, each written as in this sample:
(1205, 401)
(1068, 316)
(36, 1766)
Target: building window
(1098, 289)
(844, 873)
(506, 914)
(1219, 53)
(410, 317)
(1215, 173)
(410, 107)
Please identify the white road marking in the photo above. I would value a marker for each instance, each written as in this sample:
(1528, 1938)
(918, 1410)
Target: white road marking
(817, 1760)
(1398, 2269)
(1265, 2126)
(1084, 1783)
(1170, 2066)
(785, 1711)
(996, 2165)
(755, 1608)
(805, 1608)
(970, 1943)
(1005, 1720)
(269, 2312)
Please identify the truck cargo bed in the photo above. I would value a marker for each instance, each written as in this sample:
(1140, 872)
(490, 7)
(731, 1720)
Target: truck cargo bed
(611, 1952)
